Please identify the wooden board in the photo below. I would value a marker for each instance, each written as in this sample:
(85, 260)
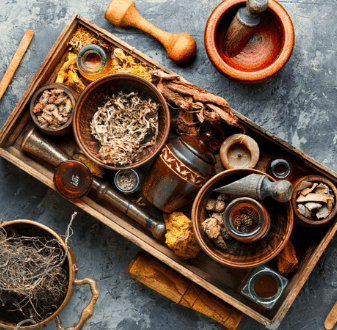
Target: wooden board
(223, 282)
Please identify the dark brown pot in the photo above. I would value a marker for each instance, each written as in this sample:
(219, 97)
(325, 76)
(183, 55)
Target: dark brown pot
(32, 229)
(180, 170)
(263, 224)
(300, 219)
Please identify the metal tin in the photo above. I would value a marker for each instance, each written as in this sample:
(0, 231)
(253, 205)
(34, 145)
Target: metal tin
(135, 187)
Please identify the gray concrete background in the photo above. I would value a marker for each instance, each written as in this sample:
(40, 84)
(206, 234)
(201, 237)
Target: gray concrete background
(298, 105)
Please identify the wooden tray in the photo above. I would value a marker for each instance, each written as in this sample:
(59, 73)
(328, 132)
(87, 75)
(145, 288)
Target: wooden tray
(221, 281)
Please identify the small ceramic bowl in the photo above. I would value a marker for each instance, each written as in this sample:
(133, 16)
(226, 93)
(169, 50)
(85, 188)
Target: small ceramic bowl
(239, 254)
(95, 95)
(267, 51)
(262, 224)
(63, 129)
(308, 222)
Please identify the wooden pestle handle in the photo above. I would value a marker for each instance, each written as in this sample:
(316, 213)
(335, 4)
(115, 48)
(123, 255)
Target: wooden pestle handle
(180, 47)
(331, 319)
(176, 287)
(243, 25)
(281, 190)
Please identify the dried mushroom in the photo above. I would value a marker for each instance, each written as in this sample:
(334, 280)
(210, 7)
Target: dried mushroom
(125, 126)
(314, 200)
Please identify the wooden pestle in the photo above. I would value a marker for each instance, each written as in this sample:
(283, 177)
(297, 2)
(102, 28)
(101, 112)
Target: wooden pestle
(176, 287)
(180, 47)
(36, 144)
(259, 187)
(331, 319)
(243, 25)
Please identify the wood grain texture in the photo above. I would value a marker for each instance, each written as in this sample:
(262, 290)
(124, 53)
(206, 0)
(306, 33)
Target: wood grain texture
(206, 271)
(20, 52)
(264, 56)
(180, 47)
(181, 290)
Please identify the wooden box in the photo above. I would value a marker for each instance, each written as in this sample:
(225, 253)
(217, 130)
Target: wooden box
(219, 280)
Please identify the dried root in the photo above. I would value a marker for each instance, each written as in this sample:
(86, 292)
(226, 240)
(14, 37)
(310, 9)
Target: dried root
(122, 126)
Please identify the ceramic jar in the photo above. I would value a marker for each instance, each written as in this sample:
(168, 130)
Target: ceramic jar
(177, 174)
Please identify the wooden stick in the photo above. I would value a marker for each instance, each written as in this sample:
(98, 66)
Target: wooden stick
(20, 52)
(163, 279)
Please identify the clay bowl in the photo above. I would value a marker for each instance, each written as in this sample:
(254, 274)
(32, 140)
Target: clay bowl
(63, 129)
(239, 254)
(267, 51)
(28, 228)
(95, 95)
(303, 220)
(263, 223)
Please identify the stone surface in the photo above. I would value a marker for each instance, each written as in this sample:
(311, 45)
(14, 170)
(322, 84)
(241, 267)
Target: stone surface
(298, 105)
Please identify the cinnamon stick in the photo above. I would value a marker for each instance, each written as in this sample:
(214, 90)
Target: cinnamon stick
(20, 52)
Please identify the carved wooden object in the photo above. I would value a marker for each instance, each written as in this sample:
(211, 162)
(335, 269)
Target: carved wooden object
(243, 26)
(331, 319)
(180, 47)
(181, 290)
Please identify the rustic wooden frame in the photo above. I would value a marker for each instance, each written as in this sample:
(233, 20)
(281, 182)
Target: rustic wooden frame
(10, 140)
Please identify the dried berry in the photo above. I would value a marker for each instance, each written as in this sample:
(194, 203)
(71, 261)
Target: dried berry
(219, 241)
(210, 206)
(244, 229)
(237, 221)
(225, 234)
(217, 216)
(220, 206)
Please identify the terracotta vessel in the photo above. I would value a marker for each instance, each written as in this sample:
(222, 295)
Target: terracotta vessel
(267, 51)
(32, 229)
(239, 254)
(301, 220)
(263, 224)
(65, 128)
(95, 95)
(177, 174)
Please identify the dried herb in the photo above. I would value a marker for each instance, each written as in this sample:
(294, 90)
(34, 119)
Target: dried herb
(245, 219)
(125, 126)
(53, 109)
(34, 276)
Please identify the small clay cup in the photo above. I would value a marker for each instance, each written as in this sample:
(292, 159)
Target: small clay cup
(267, 51)
(303, 221)
(65, 128)
(263, 224)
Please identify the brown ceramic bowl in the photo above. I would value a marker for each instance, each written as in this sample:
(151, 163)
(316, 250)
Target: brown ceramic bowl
(267, 51)
(95, 95)
(303, 220)
(63, 129)
(239, 254)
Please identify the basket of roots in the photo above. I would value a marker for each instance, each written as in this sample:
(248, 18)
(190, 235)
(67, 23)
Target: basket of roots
(38, 276)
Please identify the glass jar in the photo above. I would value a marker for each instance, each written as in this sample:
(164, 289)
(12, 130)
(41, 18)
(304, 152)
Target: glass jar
(93, 62)
(264, 286)
(72, 179)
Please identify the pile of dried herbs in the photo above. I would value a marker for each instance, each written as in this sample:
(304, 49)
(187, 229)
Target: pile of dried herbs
(33, 281)
(125, 126)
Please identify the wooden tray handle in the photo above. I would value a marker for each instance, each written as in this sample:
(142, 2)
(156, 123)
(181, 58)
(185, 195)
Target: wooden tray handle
(163, 279)
(88, 311)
